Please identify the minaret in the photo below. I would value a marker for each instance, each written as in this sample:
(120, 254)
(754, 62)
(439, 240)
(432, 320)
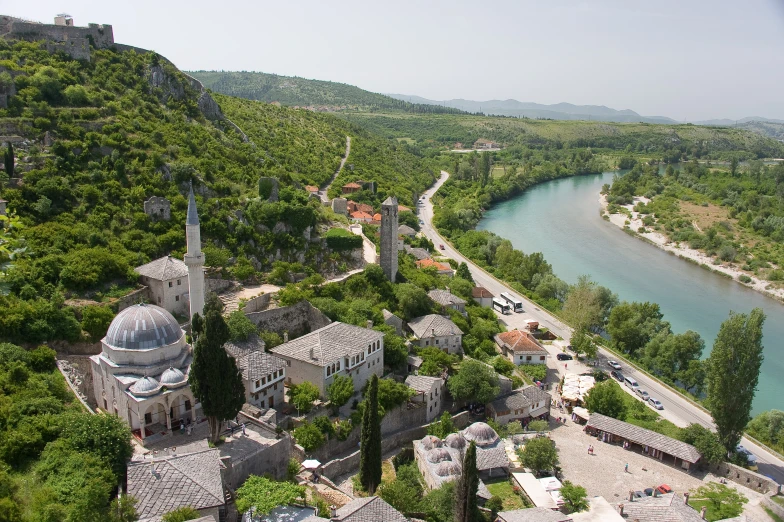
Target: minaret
(194, 258)
(389, 238)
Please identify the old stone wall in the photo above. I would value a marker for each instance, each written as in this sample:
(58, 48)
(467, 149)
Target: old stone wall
(403, 417)
(137, 296)
(745, 477)
(66, 348)
(68, 38)
(775, 507)
(158, 208)
(217, 285)
(272, 460)
(297, 319)
(257, 304)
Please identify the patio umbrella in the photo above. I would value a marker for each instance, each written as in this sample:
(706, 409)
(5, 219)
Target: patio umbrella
(311, 464)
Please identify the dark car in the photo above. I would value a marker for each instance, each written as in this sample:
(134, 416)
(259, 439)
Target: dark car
(564, 357)
(648, 492)
(618, 376)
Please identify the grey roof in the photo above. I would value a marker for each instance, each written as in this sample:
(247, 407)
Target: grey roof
(661, 509)
(328, 344)
(445, 297)
(390, 201)
(142, 327)
(184, 480)
(406, 230)
(645, 437)
(193, 214)
(239, 349)
(369, 509)
(256, 365)
(163, 269)
(414, 360)
(422, 383)
(482, 491)
(419, 253)
(433, 325)
(389, 315)
(520, 399)
(537, 514)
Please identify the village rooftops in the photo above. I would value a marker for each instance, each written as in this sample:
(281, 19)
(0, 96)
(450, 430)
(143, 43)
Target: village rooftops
(329, 344)
(364, 216)
(352, 185)
(669, 508)
(369, 509)
(239, 349)
(163, 269)
(445, 298)
(433, 325)
(440, 267)
(405, 230)
(520, 342)
(419, 253)
(645, 437)
(520, 399)
(479, 292)
(422, 384)
(256, 365)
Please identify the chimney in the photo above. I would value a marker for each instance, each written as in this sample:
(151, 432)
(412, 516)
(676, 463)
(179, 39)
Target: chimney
(702, 512)
(333, 512)
(631, 495)
(433, 331)
(686, 498)
(285, 336)
(620, 509)
(312, 356)
(655, 492)
(369, 324)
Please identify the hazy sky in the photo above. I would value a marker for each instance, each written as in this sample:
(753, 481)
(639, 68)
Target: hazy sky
(693, 59)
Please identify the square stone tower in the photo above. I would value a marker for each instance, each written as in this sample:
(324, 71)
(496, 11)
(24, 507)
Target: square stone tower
(389, 227)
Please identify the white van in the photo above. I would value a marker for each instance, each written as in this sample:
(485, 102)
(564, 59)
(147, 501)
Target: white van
(631, 383)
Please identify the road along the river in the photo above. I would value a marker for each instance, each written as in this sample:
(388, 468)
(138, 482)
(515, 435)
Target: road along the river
(677, 408)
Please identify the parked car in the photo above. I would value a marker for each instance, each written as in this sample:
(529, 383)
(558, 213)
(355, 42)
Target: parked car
(564, 357)
(655, 403)
(614, 364)
(618, 376)
(441, 247)
(664, 488)
(639, 494)
(643, 394)
(648, 492)
(421, 222)
(751, 459)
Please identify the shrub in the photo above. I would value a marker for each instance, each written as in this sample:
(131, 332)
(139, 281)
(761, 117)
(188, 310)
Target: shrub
(743, 278)
(535, 372)
(340, 239)
(309, 436)
(240, 327)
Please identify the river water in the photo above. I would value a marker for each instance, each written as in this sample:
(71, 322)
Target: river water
(561, 219)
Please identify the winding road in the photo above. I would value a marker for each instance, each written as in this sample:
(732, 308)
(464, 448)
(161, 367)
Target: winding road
(325, 188)
(677, 409)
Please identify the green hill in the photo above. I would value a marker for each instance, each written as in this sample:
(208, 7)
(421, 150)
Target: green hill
(293, 91)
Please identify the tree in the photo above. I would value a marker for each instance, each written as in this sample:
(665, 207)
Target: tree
(8, 160)
(632, 325)
(475, 381)
(442, 427)
(575, 497)
(340, 391)
(673, 356)
(405, 492)
(733, 166)
(607, 398)
(723, 502)
(768, 427)
(538, 425)
(582, 308)
(439, 504)
(466, 509)
(181, 514)
(303, 395)
(123, 509)
(732, 374)
(434, 361)
(539, 454)
(96, 321)
(392, 393)
(370, 442)
(395, 351)
(215, 380)
(104, 436)
(309, 436)
(240, 327)
(706, 442)
(412, 301)
(463, 272)
(582, 343)
(502, 365)
(264, 494)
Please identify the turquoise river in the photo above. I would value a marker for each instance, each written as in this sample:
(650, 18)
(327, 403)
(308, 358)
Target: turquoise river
(561, 219)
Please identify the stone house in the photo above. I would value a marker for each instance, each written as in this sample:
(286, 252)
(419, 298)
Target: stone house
(430, 390)
(262, 373)
(438, 331)
(528, 402)
(336, 349)
(405, 230)
(350, 188)
(158, 208)
(392, 320)
(447, 300)
(482, 296)
(441, 268)
(167, 280)
(521, 347)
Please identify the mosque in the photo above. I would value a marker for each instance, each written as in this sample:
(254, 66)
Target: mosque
(141, 374)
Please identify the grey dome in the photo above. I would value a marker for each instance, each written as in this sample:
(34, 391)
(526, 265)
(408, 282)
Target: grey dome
(446, 468)
(481, 433)
(438, 455)
(172, 377)
(431, 441)
(142, 327)
(145, 386)
(455, 440)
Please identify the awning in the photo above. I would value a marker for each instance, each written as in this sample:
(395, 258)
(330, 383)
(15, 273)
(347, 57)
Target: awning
(581, 412)
(311, 464)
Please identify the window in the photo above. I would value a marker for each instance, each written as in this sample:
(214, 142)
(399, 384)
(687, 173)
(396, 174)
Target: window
(187, 405)
(179, 282)
(258, 384)
(329, 372)
(369, 350)
(427, 343)
(263, 380)
(176, 298)
(148, 418)
(527, 357)
(275, 387)
(170, 284)
(437, 341)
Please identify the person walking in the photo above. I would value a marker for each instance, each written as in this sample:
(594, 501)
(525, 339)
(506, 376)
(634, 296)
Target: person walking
(626, 468)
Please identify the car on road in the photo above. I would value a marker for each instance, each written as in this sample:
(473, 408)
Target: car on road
(421, 222)
(441, 247)
(643, 394)
(656, 403)
(751, 459)
(614, 364)
(663, 489)
(618, 376)
(564, 357)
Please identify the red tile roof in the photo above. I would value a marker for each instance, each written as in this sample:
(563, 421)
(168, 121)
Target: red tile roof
(361, 215)
(520, 341)
(311, 188)
(425, 263)
(352, 185)
(401, 208)
(481, 293)
(364, 207)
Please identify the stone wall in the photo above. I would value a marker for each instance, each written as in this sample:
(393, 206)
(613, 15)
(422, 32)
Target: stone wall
(137, 296)
(158, 208)
(70, 39)
(217, 285)
(745, 477)
(257, 304)
(272, 460)
(66, 348)
(297, 319)
(775, 507)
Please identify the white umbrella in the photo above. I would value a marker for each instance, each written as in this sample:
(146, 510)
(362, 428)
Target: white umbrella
(311, 464)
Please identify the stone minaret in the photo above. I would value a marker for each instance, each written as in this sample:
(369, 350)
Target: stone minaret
(389, 238)
(194, 258)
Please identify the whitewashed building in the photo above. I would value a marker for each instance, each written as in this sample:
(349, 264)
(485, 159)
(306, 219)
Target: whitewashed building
(430, 391)
(438, 331)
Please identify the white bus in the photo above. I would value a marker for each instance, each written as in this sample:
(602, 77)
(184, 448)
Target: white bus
(501, 306)
(516, 304)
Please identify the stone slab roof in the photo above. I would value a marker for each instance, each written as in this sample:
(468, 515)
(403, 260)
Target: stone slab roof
(163, 269)
(480, 292)
(537, 514)
(433, 325)
(520, 399)
(389, 315)
(329, 344)
(176, 481)
(445, 297)
(422, 383)
(256, 365)
(405, 230)
(419, 253)
(239, 349)
(645, 437)
(660, 509)
(520, 342)
(370, 509)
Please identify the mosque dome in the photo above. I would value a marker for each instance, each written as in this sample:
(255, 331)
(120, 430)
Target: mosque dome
(446, 468)
(145, 386)
(173, 378)
(143, 327)
(431, 441)
(455, 440)
(481, 433)
(438, 455)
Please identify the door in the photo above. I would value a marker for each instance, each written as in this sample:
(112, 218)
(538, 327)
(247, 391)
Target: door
(271, 402)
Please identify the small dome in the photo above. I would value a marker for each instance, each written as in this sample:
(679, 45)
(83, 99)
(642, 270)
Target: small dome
(436, 455)
(145, 386)
(446, 468)
(431, 441)
(455, 440)
(142, 327)
(172, 377)
(481, 433)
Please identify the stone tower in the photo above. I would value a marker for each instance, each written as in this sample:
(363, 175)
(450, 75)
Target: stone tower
(389, 238)
(194, 258)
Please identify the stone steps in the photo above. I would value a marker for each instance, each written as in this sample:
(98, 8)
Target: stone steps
(230, 302)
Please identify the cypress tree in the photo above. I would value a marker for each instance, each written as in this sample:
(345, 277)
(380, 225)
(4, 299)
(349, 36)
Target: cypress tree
(370, 442)
(215, 380)
(466, 509)
(8, 160)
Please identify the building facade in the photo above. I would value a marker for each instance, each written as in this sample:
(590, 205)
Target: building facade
(437, 331)
(262, 373)
(389, 243)
(447, 300)
(430, 391)
(167, 280)
(522, 404)
(482, 296)
(521, 347)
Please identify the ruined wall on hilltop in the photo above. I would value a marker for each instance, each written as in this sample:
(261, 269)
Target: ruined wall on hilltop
(72, 40)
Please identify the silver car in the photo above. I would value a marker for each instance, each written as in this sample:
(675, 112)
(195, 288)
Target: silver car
(643, 394)
(655, 403)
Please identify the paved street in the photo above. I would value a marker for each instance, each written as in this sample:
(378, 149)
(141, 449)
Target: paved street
(676, 408)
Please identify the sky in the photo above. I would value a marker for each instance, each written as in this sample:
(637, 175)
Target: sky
(688, 60)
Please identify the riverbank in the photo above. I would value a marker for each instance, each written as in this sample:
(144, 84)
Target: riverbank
(697, 257)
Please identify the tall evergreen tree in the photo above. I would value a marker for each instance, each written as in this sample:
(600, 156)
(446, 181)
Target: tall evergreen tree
(8, 160)
(370, 442)
(466, 509)
(732, 374)
(214, 377)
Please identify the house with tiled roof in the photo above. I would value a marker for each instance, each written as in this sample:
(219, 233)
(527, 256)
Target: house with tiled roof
(482, 296)
(438, 331)
(350, 188)
(368, 509)
(430, 391)
(336, 349)
(312, 189)
(403, 208)
(405, 230)
(163, 484)
(441, 268)
(521, 347)
(167, 280)
(534, 514)
(447, 300)
(361, 217)
(262, 373)
(392, 320)
(525, 403)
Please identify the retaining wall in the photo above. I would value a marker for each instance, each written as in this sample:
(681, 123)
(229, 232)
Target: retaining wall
(775, 507)
(297, 319)
(257, 304)
(745, 477)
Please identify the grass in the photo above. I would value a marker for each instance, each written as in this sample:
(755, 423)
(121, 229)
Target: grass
(778, 499)
(772, 515)
(503, 489)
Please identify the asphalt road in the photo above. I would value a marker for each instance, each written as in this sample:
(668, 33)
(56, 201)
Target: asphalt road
(676, 408)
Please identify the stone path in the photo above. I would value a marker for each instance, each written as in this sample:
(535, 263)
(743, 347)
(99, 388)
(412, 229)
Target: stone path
(325, 188)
